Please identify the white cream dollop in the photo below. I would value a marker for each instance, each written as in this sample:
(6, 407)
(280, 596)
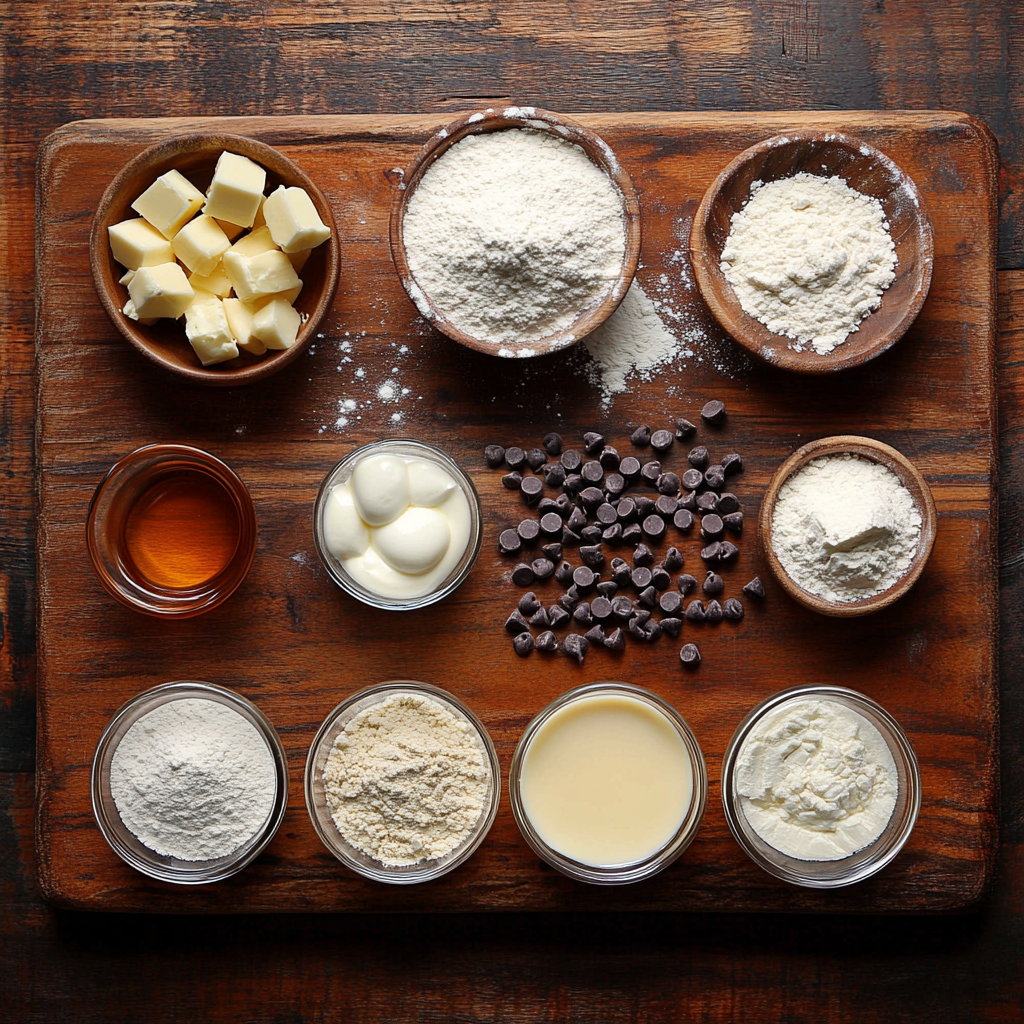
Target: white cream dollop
(346, 534)
(415, 542)
(380, 488)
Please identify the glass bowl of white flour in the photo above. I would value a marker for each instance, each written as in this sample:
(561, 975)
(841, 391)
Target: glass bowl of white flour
(189, 782)
(516, 232)
(402, 782)
(820, 786)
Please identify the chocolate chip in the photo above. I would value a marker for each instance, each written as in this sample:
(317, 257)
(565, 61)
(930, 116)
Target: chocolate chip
(536, 457)
(713, 584)
(570, 538)
(711, 552)
(714, 612)
(575, 646)
(714, 477)
(591, 534)
(509, 542)
(643, 555)
(609, 458)
(615, 641)
(672, 626)
(626, 510)
(552, 443)
(733, 609)
(571, 460)
(707, 502)
(542, 568)
(512, 481)
(540, 619)
(583, 577)
(581, 614)
(688, 500)
(547, 505)
(591, 497)
(732, 464)
(592, 555)
(546, 642)
(532, 487)
(653, 631)
(690, 656)
(595, 635)
(641, 577)
(554, 474)
(621, 575)
(648, 597)
(606, 514)
(661, 440)
(666, 506)
(632, 534)
(728, 551)
(755, 589)
(528, 603)
(711, 527)
(565, 505)
(558, 616)
(522, 644)
(592, 441)
(570, 598)
(686, 583)
(698, 457)
(673, 560)
(670, 601)
(669, 483)
(695, 611)
(564, 574)
(641, 617)
(714, 412)
(734, 521)
(617, 562)
(577, 520)
(684, 429)
(622, 607)
(573, 483)
(614, 483)
(495, 455)
(692, 479)
(654, 527)
(683, 519)
(728, 503)
(528, 530)
(612, 534)
(636, 629)
(515, 623)
(660, 577)
(644, 506)
(650, 471)
(515, 458)
(600, 608)
(607, 589)
(551, 524)
(522, 575)
(592, 472)
(629, 467)
(641, 437)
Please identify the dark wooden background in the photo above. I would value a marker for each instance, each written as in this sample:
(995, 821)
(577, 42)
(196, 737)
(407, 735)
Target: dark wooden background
(69, 60)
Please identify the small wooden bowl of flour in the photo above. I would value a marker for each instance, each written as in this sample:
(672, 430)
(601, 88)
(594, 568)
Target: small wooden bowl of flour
(515, 232)
(806, 265)
(847, 525)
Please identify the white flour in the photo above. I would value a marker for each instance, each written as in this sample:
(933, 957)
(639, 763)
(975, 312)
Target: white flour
(513, 233)
(816, 780)
(809, 257)
(192, 779)
(406, 780)
(845, 528)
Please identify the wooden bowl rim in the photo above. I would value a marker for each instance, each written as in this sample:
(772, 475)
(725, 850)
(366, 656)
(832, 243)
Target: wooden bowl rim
(750, 333)
(909, 476)
(100, 257)
(492, 120)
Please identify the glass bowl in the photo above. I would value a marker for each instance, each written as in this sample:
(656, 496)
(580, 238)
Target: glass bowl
(616, 874)
(828, 874)
(180, 479)
(320, 811)
(125, 844)
(343, 471)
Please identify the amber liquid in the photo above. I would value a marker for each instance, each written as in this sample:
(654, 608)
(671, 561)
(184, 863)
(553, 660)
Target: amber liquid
(182, 531)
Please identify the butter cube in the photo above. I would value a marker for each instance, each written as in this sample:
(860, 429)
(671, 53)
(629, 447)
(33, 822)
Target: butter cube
(293, 221)
(289, 295)
(229, 229)
(216, 282)
(200, 245)
(136, 243)
(126, 277)
(206, 328)
(240, 316)
(160, 291)
(130, 312)
(298, 259)
(257, 276)
(236, 190)
(258, 240)
(169, 203)
(276, 324)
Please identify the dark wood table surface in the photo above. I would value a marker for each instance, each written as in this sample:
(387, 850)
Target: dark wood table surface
(64, 61)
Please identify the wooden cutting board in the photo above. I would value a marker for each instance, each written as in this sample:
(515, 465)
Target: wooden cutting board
(296, 645)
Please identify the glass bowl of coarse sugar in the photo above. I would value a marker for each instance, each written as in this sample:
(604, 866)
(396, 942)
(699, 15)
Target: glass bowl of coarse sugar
(189, 782)
(402, 782)
(516, 232)
(820, 786)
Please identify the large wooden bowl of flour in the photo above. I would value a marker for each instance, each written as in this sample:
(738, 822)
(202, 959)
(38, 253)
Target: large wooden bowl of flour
(873, 451)
(824, 155)
(521, 252)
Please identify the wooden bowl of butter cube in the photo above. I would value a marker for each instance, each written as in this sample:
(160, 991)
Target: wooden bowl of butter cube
(216, 257)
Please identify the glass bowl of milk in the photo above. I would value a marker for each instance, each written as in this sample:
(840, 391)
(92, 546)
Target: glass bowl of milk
(608, 784)
(820, 786)
(397, 524)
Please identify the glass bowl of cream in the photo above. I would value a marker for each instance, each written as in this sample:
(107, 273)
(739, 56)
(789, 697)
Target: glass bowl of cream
(608, 784)
(397, 524)
(820, 786)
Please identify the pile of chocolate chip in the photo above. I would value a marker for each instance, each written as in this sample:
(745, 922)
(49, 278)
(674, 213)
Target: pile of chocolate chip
(600, 505)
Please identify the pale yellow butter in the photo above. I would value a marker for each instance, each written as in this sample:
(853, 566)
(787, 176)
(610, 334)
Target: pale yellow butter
(160, 291)
(236, 190)
(216, 282)
(276, 324)
(126, 277)
(206, 328)
(130, 312)
(293, 220)
(136, 243)
(169, 203)
(200, 245)
(240, 316)
(258, 240)
(265, 274)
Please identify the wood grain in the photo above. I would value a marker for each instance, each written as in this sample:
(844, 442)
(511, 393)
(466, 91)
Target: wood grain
(930, 664)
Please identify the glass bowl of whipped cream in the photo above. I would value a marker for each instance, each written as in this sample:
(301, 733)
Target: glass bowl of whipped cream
(397, 524)
(820, 786)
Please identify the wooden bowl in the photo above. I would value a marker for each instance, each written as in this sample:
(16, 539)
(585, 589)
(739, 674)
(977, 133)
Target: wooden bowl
(164, 343)
(494, 121)
(863, 168)
(908, 476)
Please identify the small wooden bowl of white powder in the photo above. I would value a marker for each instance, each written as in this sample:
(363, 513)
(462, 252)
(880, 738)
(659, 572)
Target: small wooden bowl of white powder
(515, 232)
(847, 525)
(813, 251)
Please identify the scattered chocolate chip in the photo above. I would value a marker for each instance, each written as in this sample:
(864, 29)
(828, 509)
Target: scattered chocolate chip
(528, 530)
(522, 644)
(641, 616)
(528, 603)
(670, 601)
(615, 641)
(714, 612)
(573, 483)
(522, 575)
(626, 510)
(584, 578)
(621, 575)
(577, 520)
(714, 477)
(661, 440)
(632, 534)
(592, 441)
(648, 597)
(591, 497)
(558, 616)
(612, 534)
(653, 631)
(660, 577)
(564, 574)
(552, 443)
(688, 500)
(581, 614)
(595, 635)
(714, 412)
(570, 598)
(734, 521)
(654, 527)
(591, 534)
(551, 524)
(711, 552)
(666, 506)
(512, 481)
(554, 474)
(622, 607)
(698, 457)
(575, 646)
(542, 568)
(669, 484)
(733, 609)
(641, 577)
(509, 542)
(540, 619)
(755, 589)
(689, 656)
(650, 471)
(592, 472)
(707, 502)
(515, 623)
(683, 519)
(546, 642)
(673, 560)
(535, 458)
(684, 429)
(532, 487)
(672, 626)
(711, 527)
(728, 503)
(629, 467)
(592, 555)
(571, 460)
(614, 483)
(686, 583)
(609, 458)
(607, 588)
(617, 562)
(565, 505)
(515, 458)
(692, 479)
(713, 584)
(547, 505)
(728, 551)
(600, 608)
(641, 437)
(643, 555)
(695, 611)
(644, 506)
(636, 629)
(606, 514)
(495, 455)
(732, 464)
